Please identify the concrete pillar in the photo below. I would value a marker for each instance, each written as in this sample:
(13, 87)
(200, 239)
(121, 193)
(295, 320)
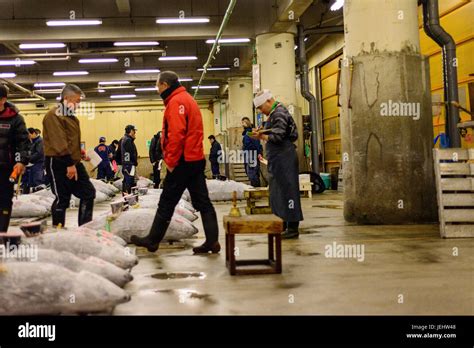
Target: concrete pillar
(276, 57)
(386, 120)
(240, 105)
(240, 100)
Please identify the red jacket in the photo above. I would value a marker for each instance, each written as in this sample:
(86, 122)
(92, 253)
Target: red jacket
(182, 129)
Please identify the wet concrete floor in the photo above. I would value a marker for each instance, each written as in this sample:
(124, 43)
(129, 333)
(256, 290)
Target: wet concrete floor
(404, 269)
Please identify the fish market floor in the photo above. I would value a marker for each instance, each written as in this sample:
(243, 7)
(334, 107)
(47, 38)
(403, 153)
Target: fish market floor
(406, 269)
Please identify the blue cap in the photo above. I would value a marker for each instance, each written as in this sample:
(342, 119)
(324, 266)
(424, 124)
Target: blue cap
(101, 139)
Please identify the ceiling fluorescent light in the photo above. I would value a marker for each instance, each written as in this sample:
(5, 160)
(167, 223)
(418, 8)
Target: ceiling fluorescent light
(41, 45)
(7, 75)
(48, 91)
(228, 41)
(337, 5)
(116, 87)
(73, 22)
(145, 89)
(205, 87)
(101, 90)
(165, 58)
(185, 79)
(182, 20)
(70, 73)
(49, 84)
(114, 82)
(121, 96)
(143, 71)
(19, 100)
(97, 60)
(16, 62)
(137, 43)
(215, 69)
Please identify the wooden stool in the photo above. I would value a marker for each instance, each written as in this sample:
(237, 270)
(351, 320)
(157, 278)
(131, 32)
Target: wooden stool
(254, 224)
(258, 195)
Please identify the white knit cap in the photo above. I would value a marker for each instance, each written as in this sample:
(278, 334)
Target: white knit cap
(262, 98)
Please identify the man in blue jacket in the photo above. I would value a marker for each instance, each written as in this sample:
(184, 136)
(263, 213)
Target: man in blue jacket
(36, 171)
(252, 149)
(104, 169)
(214, 154)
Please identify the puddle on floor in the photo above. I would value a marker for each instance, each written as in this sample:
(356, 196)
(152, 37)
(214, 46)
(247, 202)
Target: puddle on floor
(311, 229)
(185, 295)
(304, 253)
(289, 285)
(178, 275)
(333, 206)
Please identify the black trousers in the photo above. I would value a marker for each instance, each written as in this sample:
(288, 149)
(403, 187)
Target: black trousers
(6, 197)
(128, 180)
(187, 175)
(156, 174)
(63, 188)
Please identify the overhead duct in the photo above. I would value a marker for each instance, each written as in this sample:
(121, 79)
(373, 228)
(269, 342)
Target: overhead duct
(227, 15)
(434, 30)
(16, 86)
(303, 63)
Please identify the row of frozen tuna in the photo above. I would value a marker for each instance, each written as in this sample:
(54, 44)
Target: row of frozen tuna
(38, 204)
(65, 272)
(137, 220)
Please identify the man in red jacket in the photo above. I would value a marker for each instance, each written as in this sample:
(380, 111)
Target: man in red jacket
(183, 153)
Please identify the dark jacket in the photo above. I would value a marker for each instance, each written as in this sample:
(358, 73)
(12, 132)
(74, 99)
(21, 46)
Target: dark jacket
(127, 154)
(215, 152)
(283, 165)
(14, 141)
(103, 151)
(156, 153)
(250, 144)
(62, 136)
(37, 151)
(113, 151)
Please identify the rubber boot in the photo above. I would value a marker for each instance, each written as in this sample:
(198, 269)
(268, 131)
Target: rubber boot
(292, 231)
(156, 235)
(5, 214)
(59, 217)
(211, 229)
(86, 210)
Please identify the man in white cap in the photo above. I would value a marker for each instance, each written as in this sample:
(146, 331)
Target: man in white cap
(282, 161)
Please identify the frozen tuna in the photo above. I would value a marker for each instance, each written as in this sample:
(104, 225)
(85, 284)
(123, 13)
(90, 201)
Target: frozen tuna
(141, 183)
(34, 288)
(101, 235)
(223, 190)
(73, 263)
(28, 207)
(84, 246)
(139, 221)
(108, 189)
(183, 208)
(99, 198)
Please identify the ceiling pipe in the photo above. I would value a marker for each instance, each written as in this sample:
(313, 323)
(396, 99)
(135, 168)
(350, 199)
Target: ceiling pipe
(304, 79)
(30, 94)
(227, 15)
(335, 29)
(433, 29)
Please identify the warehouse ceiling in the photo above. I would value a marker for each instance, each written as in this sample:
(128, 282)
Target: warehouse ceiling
(25, 22)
